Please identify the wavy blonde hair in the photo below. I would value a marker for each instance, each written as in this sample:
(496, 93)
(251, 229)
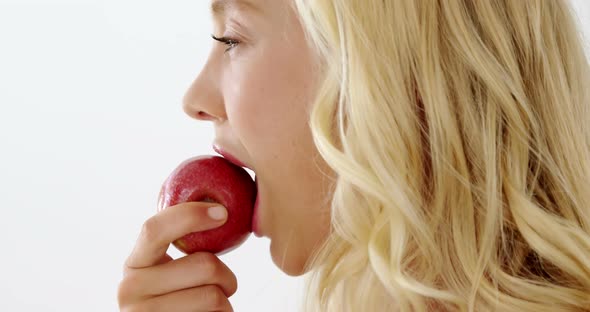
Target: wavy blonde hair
(460, 134)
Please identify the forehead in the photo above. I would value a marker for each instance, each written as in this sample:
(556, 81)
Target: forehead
(220, 8)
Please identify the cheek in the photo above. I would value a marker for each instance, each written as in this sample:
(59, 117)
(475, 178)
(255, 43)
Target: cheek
(267, 98)
(264, 101)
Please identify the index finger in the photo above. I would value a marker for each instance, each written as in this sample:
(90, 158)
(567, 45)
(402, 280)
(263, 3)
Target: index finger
(159, 231)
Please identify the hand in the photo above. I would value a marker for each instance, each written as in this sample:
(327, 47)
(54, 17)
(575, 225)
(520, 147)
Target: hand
(153, 281)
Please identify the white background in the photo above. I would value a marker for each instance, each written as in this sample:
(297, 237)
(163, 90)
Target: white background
(91, 124)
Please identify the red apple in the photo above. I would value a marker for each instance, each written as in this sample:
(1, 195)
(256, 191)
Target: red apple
(212, 179)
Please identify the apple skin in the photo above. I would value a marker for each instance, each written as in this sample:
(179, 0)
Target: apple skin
(210, 178)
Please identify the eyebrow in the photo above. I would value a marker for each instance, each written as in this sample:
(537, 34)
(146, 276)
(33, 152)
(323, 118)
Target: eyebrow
(219, 8)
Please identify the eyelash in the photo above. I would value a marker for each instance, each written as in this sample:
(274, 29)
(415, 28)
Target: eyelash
(231, 43)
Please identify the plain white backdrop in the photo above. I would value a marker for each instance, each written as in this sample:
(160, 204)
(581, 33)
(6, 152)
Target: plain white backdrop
(91, 124)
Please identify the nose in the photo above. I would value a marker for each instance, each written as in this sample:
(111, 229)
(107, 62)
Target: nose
(203, 99)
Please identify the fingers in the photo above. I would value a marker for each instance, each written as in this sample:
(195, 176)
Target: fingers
(201, 268)
(153, 281)
(197, 282)
(166, 226)
(199, 299)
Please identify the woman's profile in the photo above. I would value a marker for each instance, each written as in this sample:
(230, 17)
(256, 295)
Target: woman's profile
(411, 155)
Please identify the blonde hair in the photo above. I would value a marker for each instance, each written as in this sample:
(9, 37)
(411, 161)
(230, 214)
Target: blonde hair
(460, 134)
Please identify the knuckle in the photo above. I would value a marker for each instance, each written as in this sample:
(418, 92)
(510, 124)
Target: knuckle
(215, 297)
(233, 286)
(127, 268)
(137, 308)
(127, 288)
(208, 264)
(151, 229)
(123, 293)
(212, 270)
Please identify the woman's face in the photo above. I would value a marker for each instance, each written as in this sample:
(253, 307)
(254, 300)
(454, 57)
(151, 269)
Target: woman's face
(258, 94)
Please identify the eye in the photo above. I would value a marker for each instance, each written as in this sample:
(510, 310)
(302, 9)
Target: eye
(231, 43)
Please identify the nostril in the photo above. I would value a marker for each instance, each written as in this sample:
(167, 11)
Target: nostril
(203, 115)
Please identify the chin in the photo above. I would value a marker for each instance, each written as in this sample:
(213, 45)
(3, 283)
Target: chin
(291, 263)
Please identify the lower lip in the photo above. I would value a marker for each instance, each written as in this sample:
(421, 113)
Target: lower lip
(255, 216)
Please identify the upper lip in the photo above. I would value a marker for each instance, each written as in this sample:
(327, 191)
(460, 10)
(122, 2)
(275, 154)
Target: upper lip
(231, 158)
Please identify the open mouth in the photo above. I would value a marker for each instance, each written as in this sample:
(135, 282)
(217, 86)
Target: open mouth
(231, 158)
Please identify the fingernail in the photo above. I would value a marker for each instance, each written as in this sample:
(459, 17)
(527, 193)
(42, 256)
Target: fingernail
(217, 212)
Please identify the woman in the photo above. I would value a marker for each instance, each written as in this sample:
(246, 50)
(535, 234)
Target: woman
(411, 156)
